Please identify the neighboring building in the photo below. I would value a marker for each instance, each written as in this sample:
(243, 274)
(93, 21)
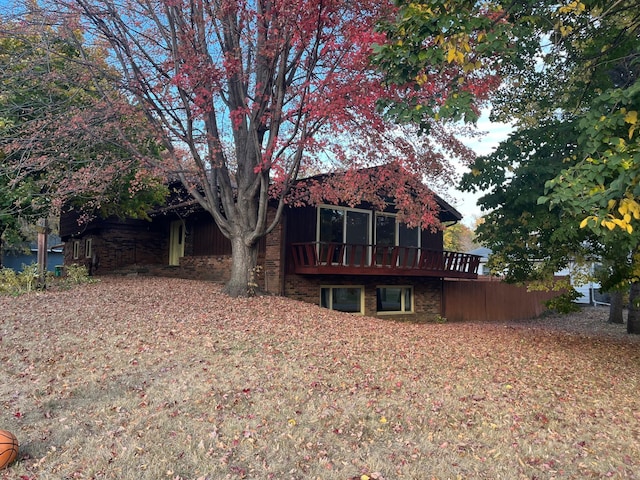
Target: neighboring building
(589, 289)
(16, 258)
(483, 253)
(350, 259)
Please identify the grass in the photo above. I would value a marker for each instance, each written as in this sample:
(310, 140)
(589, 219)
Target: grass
(151, 378)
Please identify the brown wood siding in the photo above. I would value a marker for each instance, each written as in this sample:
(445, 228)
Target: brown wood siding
(432, 240)
(208, 239)
(301, 224)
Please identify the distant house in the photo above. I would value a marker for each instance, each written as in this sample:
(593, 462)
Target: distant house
(350, 259)
(483, 253)
(16, 258)
(589, 292)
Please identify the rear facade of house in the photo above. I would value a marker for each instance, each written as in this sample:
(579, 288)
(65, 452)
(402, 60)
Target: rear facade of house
(350, 259)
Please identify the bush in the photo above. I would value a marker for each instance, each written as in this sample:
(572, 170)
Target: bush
(77, 274)
(565, 302)
(9, 282)
(28, 277)
(12, 283)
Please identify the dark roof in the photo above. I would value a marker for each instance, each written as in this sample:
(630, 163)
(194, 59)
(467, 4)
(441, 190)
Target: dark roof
(180, 202)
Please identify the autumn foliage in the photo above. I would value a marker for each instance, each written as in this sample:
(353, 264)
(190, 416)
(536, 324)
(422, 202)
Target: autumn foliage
(62, 133)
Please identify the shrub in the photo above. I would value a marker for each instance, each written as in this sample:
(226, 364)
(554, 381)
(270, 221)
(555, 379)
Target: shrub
(9, 282)
(77, 274)
(565, 302)
(12, 283)
(28, 277)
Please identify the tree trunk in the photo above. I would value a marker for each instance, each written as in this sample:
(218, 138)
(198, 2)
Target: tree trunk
(615, 309)
(244, 261)
(633, 319)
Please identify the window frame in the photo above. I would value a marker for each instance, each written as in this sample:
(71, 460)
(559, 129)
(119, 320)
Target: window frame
(76, 249)
(331, 288)
(346, 211)
(403, 292)
(88, 247)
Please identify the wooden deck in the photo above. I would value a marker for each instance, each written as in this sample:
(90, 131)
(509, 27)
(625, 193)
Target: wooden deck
(322, 258)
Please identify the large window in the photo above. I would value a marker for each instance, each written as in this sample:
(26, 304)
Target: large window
(394, 299)
(390, 233)
(344, 226)
(343, 298)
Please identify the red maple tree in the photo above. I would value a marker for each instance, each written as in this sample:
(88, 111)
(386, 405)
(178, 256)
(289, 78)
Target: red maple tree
(247, 96)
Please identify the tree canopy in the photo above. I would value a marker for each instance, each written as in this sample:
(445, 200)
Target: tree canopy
(57, 142)
(565, 183)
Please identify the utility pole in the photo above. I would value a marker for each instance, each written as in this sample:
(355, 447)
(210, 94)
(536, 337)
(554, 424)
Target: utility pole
(43, 234)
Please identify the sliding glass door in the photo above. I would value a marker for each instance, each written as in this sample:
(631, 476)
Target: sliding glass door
(346, 232)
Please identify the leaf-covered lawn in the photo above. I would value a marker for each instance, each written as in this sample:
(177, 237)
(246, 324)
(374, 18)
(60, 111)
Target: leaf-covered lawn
(155, 378)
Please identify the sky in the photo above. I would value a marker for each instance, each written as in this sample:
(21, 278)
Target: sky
(465, 202)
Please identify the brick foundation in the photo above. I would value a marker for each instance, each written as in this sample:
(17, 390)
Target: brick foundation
(427, 293)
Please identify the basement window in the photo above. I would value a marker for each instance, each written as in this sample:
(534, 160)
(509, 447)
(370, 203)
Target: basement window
(343, 298)
(394, 299)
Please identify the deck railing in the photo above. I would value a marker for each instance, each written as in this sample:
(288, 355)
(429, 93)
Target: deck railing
(342, 258)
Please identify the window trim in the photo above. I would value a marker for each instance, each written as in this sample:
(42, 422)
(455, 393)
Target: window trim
(88, 247)
(76, 249)
(403, 288)
(332, 287)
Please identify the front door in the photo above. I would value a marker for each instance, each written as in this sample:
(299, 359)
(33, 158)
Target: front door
(176, 242)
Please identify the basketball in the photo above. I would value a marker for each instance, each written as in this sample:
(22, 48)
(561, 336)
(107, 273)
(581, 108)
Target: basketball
(8, 448)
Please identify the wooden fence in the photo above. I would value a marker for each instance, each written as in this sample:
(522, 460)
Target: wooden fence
(487, 299)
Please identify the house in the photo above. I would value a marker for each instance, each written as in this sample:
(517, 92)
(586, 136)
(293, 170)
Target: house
(583, 281)
(351, 259)
(16, 258)
(483, 253)
(581, 278)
